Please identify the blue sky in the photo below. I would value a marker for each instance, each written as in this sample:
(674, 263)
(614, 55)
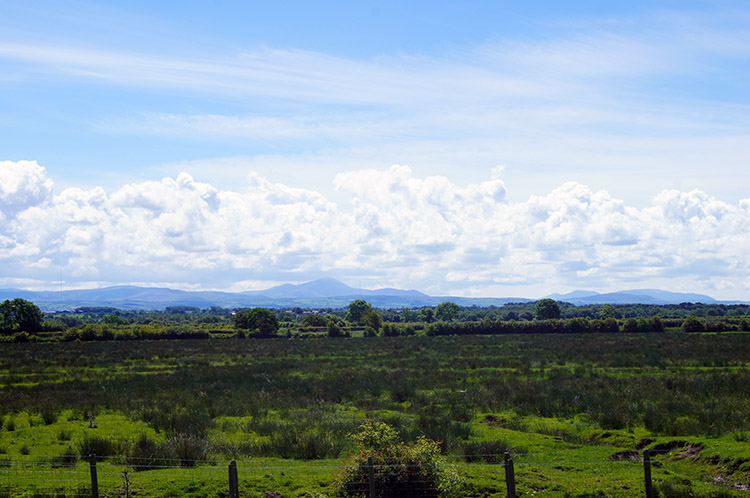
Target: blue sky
(472, 148)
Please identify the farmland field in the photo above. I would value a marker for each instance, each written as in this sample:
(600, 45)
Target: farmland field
(574, 411)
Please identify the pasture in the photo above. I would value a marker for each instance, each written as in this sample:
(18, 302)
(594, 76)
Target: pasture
(574, 410)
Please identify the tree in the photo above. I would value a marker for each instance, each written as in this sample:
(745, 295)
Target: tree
(260, 319)
(314, 320)
(357, 310)
(427, 315)
(547, 309)
(607, 311)
(447, 311)
(20, 315)
(693, 324)
(371, 318)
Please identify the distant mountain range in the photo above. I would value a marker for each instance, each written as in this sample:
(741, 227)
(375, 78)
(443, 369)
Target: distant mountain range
(637, 296)
(322, 293)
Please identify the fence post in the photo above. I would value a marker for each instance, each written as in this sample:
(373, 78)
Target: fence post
(647, 473)
(371, 473)
(94, 477)
(510, 476)
(234, 488)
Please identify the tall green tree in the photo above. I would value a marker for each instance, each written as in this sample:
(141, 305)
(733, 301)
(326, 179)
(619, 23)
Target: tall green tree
(371, 318)
(547, 309)
(19, 315)
(447, 311)
(607, 311)
(357, 310)
(427, 315)
(261, 319)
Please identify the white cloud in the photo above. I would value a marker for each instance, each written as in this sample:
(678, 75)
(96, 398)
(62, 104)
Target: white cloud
(22, 184)
(396, 229)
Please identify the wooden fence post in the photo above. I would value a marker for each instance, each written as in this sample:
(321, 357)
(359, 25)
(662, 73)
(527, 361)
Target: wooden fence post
(371, 473)
(510, 476)
(94, 477)
(647, 473)
(234, 487)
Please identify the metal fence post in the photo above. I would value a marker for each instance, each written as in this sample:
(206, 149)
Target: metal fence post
(647, 473)
(510, 476)
(371, 473)
(234, 488)
(94, 477)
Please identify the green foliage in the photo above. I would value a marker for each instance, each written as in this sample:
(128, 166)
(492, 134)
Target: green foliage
(607, 311)
(370, 332)
(547, 309)
(334, 330)
(314, 320)
(447, 311)
(261, 319)
(427, 315)
(693, 324)
(357, 310)
(96, 445)
(399, 470)
(490, 451)
(19, 315)
(145, 453)
(187, 448)
(371, 318)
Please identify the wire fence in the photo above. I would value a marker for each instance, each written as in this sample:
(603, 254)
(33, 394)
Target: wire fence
(501, 475)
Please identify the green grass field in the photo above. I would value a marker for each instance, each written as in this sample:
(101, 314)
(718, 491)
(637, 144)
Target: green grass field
(566, 406)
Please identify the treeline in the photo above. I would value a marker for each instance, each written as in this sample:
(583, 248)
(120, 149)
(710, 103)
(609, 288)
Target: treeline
(22, 321)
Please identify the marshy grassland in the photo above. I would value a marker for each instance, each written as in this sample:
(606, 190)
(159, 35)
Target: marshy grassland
(574, 410)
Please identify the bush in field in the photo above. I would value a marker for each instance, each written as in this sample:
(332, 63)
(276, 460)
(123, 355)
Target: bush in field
(415, 470)
(334, 330)
(693, 324)
(370, 332)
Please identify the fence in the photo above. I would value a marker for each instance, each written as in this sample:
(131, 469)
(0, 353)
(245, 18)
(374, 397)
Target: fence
(100, 477)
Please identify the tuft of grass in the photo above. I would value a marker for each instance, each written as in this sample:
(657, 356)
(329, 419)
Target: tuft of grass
(490, 451)
(96, 445)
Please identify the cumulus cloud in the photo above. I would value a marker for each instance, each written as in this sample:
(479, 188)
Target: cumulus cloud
(22, 184)
(395, 229)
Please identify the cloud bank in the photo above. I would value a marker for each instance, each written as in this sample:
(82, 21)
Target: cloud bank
(392, 229)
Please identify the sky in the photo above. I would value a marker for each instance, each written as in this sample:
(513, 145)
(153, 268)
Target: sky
(499, 149)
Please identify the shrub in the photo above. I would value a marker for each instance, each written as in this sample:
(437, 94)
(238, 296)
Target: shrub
(21, 337)
(334, 330)
(400, 470)
(370, 332)
(693, 324)
(72, 334)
